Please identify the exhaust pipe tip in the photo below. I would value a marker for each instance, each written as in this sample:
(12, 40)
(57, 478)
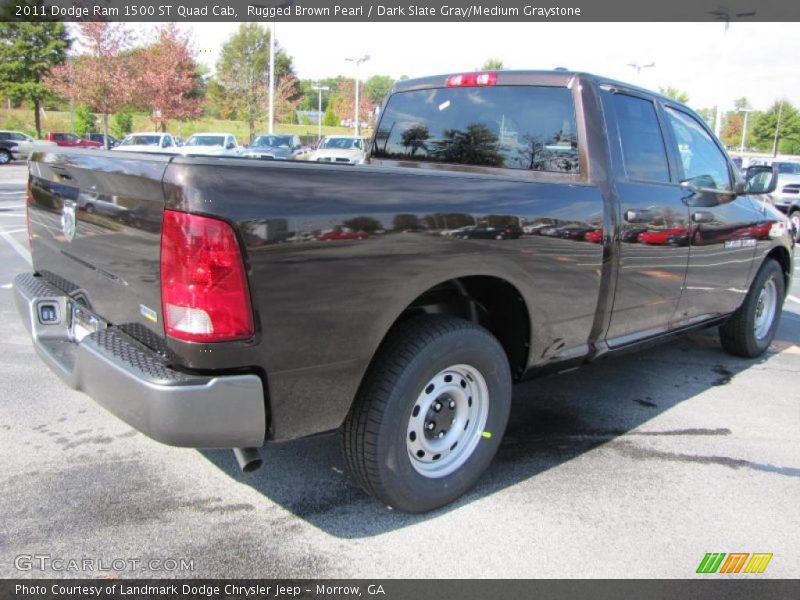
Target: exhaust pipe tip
(249, 459)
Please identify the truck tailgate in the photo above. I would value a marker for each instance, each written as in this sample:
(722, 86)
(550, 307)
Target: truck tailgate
(95, 225)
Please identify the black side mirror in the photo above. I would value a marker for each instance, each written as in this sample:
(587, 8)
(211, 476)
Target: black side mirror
(760, 179)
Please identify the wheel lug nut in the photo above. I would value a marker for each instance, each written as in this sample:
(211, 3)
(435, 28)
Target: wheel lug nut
(452, 404)
(437, 407)
(430, 425)
(441, 434)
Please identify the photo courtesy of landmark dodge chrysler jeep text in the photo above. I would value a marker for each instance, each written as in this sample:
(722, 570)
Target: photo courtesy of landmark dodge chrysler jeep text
(504, 225)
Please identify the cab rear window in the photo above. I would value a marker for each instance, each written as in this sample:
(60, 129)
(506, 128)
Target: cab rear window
(513, 127)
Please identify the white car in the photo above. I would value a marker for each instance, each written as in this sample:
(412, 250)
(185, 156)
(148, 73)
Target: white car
(211, 144)
(148, 142)
(25, 143)
(340, 149)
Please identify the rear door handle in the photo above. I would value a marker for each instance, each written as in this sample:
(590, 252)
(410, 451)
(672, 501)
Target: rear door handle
(638, 216)
(702, 216)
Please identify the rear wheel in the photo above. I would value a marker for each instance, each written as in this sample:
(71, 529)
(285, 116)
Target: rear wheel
(430, 414)
(752, 327)
(5, 157)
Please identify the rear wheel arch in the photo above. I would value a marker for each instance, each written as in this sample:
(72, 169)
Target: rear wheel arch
(493, 302)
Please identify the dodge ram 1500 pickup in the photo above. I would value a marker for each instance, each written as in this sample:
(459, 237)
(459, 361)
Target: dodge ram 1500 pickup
(210, 309)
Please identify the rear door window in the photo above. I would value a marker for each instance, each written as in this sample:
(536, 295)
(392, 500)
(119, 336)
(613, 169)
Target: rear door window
(513, 127)
(643, 150)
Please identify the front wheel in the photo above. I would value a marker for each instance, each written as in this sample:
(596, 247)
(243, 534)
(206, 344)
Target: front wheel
(5, 157)
(430, 413)
(752, 327)
(794, 219)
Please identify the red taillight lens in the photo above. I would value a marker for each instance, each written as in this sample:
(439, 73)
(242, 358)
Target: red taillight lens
(471, 79)
(204, 291)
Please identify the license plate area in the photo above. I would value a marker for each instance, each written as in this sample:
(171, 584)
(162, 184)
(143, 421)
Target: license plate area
(82, 322)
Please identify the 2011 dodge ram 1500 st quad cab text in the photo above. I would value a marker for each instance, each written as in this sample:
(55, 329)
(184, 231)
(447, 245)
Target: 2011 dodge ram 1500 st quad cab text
(209, 309)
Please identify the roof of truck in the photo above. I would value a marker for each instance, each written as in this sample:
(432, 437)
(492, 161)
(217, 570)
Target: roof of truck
(558, 77)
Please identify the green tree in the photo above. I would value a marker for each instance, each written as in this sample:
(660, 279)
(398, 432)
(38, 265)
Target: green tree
(492, 64)
(122, 124)
(28, 52)
(783, 118)
(329, 119)
(741, 103)
(674, 93)
(377, 88)
(243, 71)
(84, 120)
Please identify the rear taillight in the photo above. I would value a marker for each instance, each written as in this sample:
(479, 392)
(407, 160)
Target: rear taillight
(471, 79)
(204, 291)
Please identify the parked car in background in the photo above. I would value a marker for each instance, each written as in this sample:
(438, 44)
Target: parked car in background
(20, 144)
(340, 234)
(595, 236)
(148, 142)
(269, 146)
(70, 140)
(487, 232)
(786, 196)
(340, 149)
(98, 137)
(9, 150)
(211, 144)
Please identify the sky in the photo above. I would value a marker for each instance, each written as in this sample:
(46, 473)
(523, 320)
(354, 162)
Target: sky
(757, 60)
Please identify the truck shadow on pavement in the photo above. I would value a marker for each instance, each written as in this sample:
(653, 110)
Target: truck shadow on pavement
(554, 420)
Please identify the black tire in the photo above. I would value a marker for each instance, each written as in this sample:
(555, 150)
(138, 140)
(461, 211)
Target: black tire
(374, 434)
(738, 334)
(5, 157)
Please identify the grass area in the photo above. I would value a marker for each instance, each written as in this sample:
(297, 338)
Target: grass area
(22, 120)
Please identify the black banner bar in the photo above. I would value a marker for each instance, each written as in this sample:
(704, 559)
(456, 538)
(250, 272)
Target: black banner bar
(401, 11)
(711, 588)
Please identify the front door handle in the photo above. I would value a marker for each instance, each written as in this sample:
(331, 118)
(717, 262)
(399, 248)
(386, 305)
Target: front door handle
(702, 216)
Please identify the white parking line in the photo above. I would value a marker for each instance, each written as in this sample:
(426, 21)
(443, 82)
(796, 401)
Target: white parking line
(793, 298)
(14, 230)
(12, 206)
(19, 216)
(18, 248)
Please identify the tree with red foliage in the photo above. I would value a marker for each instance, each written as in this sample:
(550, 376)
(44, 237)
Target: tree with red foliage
(101, 77)
(166, 77)
(345, 99)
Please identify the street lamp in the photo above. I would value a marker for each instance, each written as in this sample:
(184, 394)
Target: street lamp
(746, 112)
(270, 126)
(358, 61)
(320, 89)
(639, 67)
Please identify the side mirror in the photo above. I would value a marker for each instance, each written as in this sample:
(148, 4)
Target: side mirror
(230, 146)
(760, 179)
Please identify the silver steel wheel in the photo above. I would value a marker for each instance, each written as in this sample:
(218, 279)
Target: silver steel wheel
(447, 421)
(766, 308)
(5, 158)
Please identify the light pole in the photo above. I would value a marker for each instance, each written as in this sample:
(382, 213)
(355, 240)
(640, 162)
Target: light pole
(746, 112)
(270, 126)
(777, 129)
(320, 89)
(358, 61)
(724, 14)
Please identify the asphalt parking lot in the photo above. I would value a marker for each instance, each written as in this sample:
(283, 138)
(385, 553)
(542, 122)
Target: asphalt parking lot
(631, 467)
